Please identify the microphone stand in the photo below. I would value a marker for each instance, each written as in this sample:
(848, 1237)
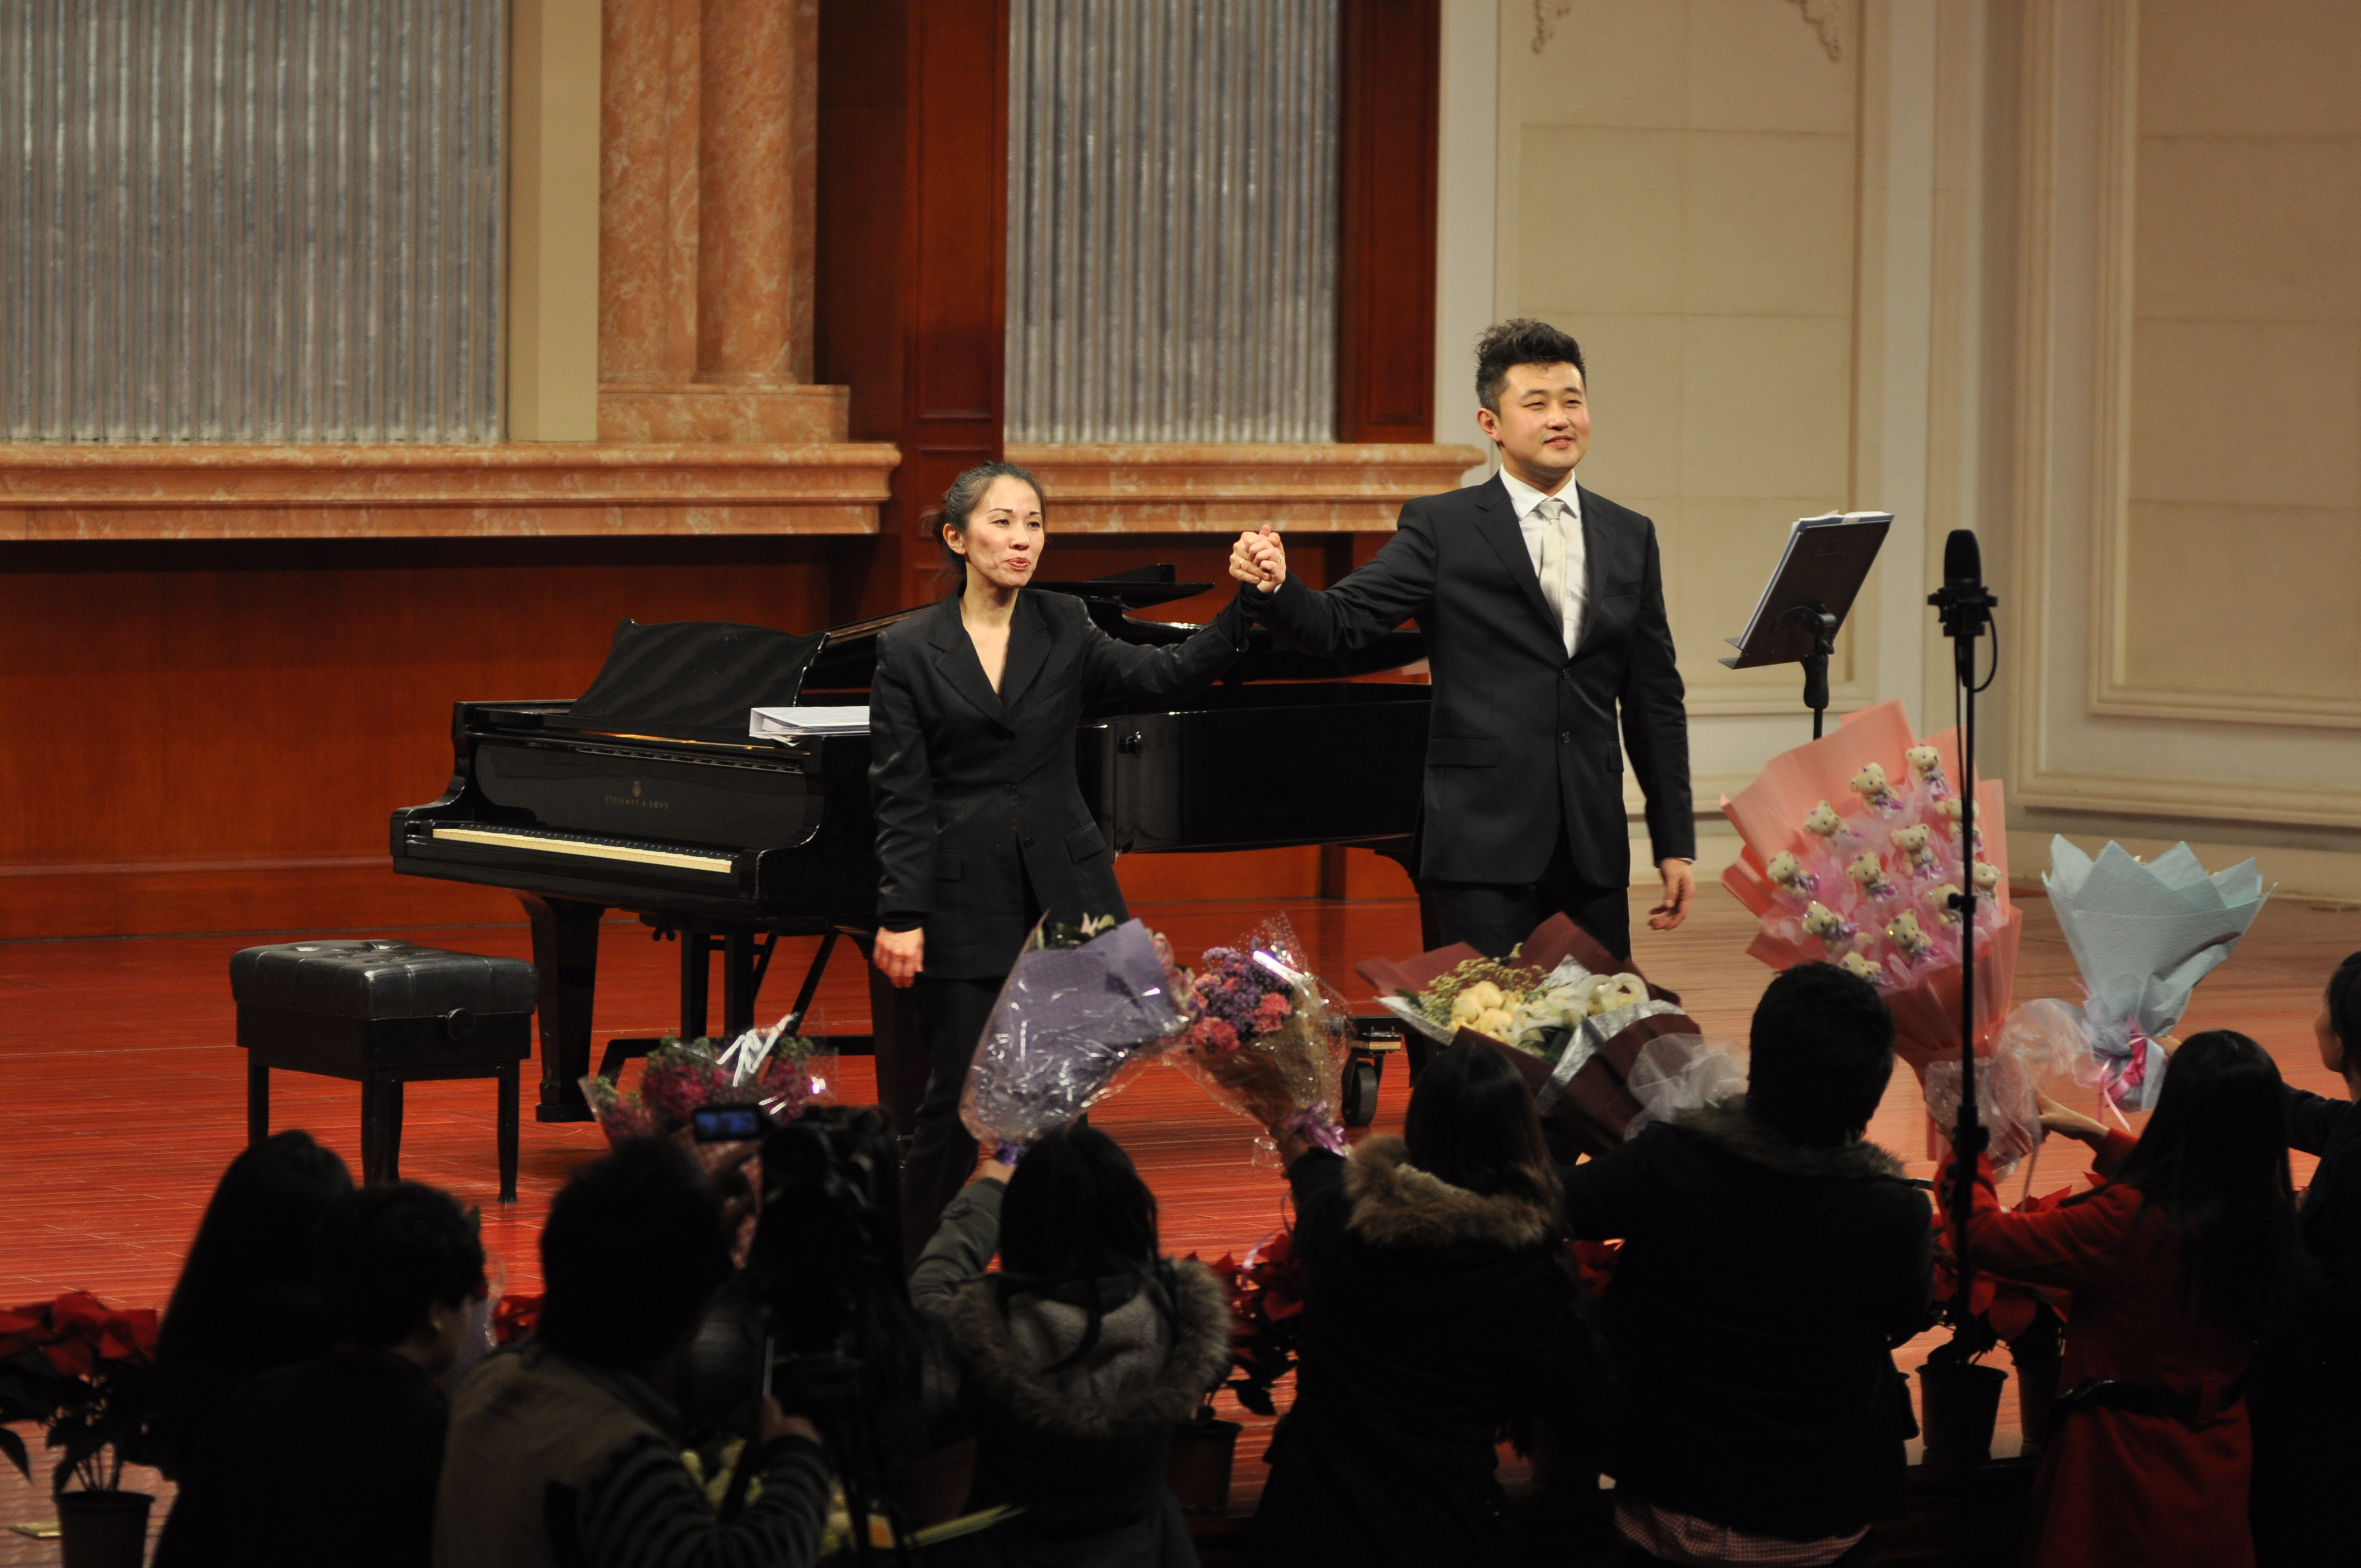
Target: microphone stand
(1965, 611)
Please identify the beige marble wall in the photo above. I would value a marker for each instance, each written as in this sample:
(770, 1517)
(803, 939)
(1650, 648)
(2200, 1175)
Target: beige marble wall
(2187, 377)
(2245, 373)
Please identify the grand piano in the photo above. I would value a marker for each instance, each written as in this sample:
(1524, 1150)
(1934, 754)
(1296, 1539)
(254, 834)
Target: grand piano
(647, 794)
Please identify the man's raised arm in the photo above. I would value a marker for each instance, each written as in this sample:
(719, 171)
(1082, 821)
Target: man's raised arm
(1358, 610)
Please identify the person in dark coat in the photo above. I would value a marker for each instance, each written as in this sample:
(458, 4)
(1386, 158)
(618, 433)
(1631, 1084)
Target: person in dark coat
(247, 1300)
(1770, 1261)
(334, 1461)
(2180, 1265)
(1077, 1358)
(2307, 1387)
(1441, 1314)
(981, 824)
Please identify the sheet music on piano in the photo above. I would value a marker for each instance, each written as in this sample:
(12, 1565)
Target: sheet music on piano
(788, 723)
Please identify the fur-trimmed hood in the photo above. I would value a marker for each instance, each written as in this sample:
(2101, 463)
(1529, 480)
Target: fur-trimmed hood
(1146, 1373)
(1728, 1126)
(1394, 1203)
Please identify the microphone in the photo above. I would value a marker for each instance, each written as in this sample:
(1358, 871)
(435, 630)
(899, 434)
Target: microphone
(1963, 563)
(1966, 607)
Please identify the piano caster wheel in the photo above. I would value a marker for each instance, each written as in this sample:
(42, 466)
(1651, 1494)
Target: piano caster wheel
(1360, 1092)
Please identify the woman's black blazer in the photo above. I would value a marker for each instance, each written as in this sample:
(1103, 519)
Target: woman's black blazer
(971, 784)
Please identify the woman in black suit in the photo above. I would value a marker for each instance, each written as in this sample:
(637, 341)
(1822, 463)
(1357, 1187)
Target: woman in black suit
(981, 826)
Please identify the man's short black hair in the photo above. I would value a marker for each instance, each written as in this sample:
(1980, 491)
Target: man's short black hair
(386, 1254)
(1823, 1049)
(632, 1252)
(1519, 342)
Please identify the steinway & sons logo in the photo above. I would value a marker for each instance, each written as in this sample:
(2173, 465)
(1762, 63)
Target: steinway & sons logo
(637, 800)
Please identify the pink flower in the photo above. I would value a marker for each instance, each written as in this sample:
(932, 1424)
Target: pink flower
(1271, 1012)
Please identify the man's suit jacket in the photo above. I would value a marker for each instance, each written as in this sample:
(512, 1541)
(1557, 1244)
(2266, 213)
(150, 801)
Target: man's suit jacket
(1522, 738)
(974, 789)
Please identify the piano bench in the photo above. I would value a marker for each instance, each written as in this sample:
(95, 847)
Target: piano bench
(383, 1013)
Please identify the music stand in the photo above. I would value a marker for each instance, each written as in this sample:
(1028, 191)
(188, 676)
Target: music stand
(1809, 594)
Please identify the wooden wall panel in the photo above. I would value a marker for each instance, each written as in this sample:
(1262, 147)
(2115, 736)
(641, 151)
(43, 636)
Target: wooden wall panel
(259, 708)
(1392, 108)
(914, 155)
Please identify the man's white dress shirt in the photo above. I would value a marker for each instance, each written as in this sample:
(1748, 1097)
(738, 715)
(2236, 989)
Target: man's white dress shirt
(1561, 557)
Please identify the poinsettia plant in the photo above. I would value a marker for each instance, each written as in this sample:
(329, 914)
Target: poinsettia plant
(85, 1373)
(1265, 1291)
(1997, 1309)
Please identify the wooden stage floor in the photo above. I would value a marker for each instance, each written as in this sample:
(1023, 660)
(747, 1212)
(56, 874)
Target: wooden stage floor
(122, 1094)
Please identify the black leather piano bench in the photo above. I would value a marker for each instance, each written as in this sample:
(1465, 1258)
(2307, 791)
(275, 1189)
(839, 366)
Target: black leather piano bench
(383, 1013)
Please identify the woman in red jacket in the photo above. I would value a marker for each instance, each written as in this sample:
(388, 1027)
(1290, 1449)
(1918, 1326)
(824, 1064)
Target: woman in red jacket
(2178, 1264)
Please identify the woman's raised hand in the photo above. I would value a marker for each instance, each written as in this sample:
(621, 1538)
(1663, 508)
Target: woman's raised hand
(2057, 1118)
(900, 955)
(1259, 558)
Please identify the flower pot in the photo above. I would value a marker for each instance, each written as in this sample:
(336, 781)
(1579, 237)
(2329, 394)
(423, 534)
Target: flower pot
(1198, 1468)
(103, 1530)
(2037, 1396)
(1960, 1404)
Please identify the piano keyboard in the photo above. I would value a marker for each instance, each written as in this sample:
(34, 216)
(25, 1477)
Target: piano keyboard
(581, 848)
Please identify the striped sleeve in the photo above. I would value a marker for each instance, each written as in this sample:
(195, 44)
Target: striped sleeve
(644, 1511)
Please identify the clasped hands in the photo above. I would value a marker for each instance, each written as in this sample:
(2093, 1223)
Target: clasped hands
(1259, 559)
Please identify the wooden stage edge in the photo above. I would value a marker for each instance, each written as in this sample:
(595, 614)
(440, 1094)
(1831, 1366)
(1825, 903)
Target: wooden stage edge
(122, 1095)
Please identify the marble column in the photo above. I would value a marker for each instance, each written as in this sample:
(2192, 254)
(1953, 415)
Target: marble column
(708, 160)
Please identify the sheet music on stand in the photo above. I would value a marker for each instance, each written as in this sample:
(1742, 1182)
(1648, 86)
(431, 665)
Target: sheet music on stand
(1825, 562)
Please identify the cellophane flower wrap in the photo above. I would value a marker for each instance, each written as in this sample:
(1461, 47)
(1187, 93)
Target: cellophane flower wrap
(1571, 1017)
(1270, 1038)
(780, 1072)
(1854, 845)
(1074, 1012)
(2143, 935)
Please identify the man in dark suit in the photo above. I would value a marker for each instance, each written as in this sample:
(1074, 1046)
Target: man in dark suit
(1543, 606)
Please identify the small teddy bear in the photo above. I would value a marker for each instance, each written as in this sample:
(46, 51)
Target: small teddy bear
(1927, 763)
(1987, 877)
(1938, 899)
(1824, 822)
(1904, 934)
(1826, 923)
(1853, 963)
(1871, 786)
(1913, 841)
(1788, 872)
(1868, 873)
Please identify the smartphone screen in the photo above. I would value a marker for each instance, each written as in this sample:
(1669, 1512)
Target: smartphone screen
(722, 1123)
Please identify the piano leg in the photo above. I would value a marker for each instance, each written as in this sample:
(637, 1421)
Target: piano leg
(901, 1059)
(696, 982)
(565, 950)
(737, 982)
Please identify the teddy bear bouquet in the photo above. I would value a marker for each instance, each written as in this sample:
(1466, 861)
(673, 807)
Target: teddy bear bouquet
(1856, 845)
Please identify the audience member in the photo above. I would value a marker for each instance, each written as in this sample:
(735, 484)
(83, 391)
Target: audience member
(1770, 1261)
(1078, 1357)
(2307, 1388)
(2178, 1264)
(565, 1451)
(1441, 1309)
(333, 1462)
(247, 1300)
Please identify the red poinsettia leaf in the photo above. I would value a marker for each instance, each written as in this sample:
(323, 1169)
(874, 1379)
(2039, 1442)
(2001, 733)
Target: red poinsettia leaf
(24, 1320)
(1981, 1293)
(71, 1356)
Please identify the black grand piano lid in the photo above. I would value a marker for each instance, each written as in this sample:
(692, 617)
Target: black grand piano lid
(695, 679)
